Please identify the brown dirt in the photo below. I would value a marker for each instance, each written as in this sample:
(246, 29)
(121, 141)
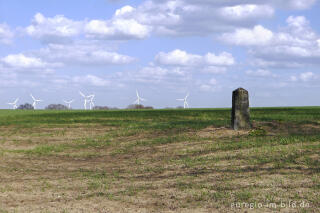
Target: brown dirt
(221, 132)
(156, 178)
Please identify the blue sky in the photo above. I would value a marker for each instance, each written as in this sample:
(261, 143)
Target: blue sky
(163, 48)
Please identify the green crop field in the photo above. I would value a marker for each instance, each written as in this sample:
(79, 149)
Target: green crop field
(159, 161)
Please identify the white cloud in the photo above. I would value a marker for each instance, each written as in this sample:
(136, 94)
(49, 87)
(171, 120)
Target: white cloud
(6, 34)
(55, 56)
(21, 61)
(14, 65)
(300, 27)
(215, 69)
(179, 67)
(297, 22)
(293, 51)
(208, 86)
(91, 80)
(205, 87)
(122, 26)
(117, 29)
(283, 4)
(293, 78)
(293, 46)
(305, 77)
(178, 57)
(299, 4)
(182, 58)
(274, 63)
(247, 11)
(213, 81)
(154, 71)
(298, 33)
(17, 82)
(52, 30)
(6, 74)
(260, 73)
(181, 18)
(163, 17)
(175, 18)
(248, 37)
(82, 53)
(157, 75)
(224, 59)
(160, 73)
(124, 10)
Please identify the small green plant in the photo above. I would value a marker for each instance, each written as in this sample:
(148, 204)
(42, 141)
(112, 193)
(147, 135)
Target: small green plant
(244, 195)
(258, 132)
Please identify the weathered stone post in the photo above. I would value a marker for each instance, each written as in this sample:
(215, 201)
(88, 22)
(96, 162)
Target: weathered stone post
(240, 117)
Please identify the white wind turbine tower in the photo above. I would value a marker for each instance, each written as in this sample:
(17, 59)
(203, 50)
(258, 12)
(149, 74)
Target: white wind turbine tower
(185, 103)
(69, 103)
(35, 101)
(91, 104)
(138, 99)
(86, 99)
(14, 104)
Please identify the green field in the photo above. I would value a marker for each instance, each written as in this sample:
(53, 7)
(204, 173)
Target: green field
(159, 161)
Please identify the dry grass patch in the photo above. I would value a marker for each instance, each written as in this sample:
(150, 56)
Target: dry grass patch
(220, 132)
(130, 167)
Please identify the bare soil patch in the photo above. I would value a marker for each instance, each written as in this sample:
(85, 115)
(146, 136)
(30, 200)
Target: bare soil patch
(220, 132)
(109, 169)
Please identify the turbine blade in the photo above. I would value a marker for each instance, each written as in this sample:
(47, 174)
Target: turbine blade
(82, 94)
(32, 97)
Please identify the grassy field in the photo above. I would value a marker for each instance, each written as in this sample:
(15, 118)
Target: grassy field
(159, 161)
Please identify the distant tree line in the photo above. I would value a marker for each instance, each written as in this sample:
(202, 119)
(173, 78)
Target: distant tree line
(56, 107)
(139, 106)
(28, 106)
(104, 108)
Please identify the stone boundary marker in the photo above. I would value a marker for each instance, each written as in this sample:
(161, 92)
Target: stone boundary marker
(240, 117)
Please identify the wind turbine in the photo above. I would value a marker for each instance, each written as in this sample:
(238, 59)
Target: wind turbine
(86, 99)
(138, 99)
(14, 104)
(185, 103)
(35, 101)
(91, 104)
(69, 103)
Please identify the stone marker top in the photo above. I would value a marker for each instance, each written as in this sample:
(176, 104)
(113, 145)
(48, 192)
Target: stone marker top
(240, 89)
(240, 118)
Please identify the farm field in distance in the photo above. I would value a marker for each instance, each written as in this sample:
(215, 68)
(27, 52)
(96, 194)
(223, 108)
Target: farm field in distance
(159, 161)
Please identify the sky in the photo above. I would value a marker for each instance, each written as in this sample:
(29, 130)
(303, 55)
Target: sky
(164, 49)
